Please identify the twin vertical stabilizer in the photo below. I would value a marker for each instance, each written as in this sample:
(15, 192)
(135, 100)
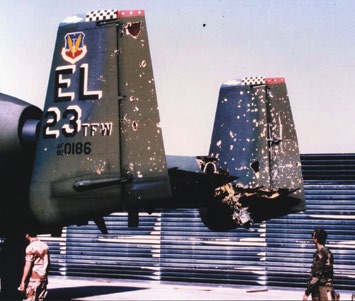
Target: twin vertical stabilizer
(100, 143)
(254, 138)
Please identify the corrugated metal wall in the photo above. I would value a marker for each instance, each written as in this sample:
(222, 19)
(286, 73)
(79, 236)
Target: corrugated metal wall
(174, 245)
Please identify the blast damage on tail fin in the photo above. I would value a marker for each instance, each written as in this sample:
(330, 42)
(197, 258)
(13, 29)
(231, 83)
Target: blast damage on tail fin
(100, 140)
(254, 137)
(99, 146)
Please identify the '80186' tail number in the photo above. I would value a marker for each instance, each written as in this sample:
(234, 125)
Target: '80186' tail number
(74, 148)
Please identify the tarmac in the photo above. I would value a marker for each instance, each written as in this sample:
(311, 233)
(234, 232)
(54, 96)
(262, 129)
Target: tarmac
(70, 288)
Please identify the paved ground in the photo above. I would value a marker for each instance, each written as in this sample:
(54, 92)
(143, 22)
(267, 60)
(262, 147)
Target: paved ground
(62, 288)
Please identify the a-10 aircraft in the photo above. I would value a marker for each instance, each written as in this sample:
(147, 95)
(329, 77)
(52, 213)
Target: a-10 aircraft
(97, 146)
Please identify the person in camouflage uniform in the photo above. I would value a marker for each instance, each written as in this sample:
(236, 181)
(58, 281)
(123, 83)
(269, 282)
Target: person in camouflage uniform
(34, 280)
(320, 283)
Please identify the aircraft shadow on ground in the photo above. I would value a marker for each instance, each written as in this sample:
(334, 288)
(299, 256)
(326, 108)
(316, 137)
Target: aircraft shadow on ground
(68, 293)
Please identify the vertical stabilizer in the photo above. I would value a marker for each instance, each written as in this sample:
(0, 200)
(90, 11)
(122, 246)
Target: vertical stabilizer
(100, 135)
(254, 137)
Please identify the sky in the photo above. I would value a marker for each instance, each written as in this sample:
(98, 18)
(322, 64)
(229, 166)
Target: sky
(196, 46)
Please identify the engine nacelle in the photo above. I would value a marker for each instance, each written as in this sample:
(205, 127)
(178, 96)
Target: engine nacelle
(18, 130)
(18, 124)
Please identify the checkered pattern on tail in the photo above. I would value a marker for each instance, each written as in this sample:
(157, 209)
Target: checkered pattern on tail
(256, 80)
(101, 15)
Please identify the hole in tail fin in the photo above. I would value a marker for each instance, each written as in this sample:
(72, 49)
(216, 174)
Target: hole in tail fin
(133, 29)
(255, 166)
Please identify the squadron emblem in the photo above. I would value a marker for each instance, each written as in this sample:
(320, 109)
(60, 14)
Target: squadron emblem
(75, 48)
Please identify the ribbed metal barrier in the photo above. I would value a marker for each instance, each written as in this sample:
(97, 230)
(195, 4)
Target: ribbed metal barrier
(174, 245)
(191, 252)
